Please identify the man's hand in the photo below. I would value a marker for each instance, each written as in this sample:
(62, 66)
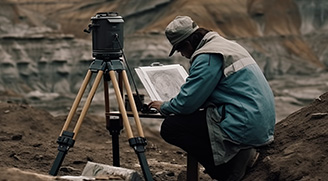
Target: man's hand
(155, 104)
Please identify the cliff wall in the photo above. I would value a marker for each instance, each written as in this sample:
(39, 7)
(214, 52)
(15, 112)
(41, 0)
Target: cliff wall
(43, 47)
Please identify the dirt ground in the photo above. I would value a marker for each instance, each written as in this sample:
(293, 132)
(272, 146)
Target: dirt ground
(28, 143)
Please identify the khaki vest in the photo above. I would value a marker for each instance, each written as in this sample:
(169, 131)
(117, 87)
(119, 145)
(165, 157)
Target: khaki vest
(235, 57)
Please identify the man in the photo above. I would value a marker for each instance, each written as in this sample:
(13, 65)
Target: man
(226, 107)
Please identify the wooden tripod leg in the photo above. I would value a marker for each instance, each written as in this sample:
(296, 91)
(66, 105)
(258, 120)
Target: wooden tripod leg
(77, 101)
(66, 139)
(121, 104)
(137, 143)
(132, 104)
(87, 103)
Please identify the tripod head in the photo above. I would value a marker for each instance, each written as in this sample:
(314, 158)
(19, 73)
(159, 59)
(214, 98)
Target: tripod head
(107, 42)
(107, 35)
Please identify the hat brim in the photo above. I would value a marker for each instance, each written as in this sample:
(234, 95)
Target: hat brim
(174, 48)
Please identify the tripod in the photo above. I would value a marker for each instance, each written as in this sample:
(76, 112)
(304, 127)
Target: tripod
(67, 139)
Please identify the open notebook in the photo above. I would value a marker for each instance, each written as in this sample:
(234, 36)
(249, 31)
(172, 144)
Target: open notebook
(162, 82)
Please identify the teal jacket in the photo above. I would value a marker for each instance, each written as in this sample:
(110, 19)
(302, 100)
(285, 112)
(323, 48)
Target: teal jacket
(224, 74)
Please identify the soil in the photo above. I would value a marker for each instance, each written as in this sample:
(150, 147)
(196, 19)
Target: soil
(28, 146)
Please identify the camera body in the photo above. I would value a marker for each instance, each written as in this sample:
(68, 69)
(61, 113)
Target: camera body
(107, 35)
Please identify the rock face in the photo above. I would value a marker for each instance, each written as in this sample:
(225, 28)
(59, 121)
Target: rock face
(37, 57)
(313, 15)
(45, 52)
(43, 64)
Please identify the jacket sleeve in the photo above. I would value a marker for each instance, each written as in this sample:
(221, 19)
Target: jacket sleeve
(204, 75)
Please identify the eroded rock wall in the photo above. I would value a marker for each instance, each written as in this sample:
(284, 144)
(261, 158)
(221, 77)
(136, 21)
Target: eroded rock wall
(43, 47)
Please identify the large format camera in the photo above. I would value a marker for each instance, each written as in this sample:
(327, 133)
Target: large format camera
(107, 35)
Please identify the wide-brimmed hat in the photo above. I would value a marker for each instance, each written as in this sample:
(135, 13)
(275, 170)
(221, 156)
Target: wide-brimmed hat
(179, 29)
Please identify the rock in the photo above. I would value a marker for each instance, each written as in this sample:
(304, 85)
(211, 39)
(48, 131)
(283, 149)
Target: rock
(93, 169)
(12, 174)
(67, 169)
(17, 137)
(318, 115)
(13, 155)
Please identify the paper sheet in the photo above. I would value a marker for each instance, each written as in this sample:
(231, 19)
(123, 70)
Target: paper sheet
(162, 82)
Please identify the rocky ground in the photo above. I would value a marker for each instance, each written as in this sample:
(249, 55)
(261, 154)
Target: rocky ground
(300, 150)
(28, 142)
(28, 135)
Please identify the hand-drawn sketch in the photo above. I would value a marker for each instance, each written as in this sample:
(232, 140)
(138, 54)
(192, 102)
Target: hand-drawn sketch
(162, 82)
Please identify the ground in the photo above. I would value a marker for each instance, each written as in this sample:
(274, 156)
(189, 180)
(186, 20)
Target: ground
(300, 150)
(28, 143)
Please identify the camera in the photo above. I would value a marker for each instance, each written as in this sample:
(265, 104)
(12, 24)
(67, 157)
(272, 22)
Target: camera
(107, 35)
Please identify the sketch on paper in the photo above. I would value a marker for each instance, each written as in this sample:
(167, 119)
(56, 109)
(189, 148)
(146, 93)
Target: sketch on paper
(162, 82)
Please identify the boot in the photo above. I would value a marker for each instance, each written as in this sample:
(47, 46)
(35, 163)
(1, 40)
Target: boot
(238, 165)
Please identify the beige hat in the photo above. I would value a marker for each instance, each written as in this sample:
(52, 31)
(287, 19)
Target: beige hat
(179, 29)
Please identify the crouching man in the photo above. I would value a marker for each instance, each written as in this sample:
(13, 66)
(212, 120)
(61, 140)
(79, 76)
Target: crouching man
(226, 107)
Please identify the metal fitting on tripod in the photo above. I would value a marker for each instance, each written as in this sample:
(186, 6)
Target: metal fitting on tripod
(138, 144)
(65, 141)
(97, 65)
(114, 125)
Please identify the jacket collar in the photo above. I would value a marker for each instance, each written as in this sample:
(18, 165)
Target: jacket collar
(209, 37)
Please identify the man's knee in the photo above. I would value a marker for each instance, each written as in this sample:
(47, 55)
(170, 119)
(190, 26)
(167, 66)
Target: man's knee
(165, 132)
(170, 130)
